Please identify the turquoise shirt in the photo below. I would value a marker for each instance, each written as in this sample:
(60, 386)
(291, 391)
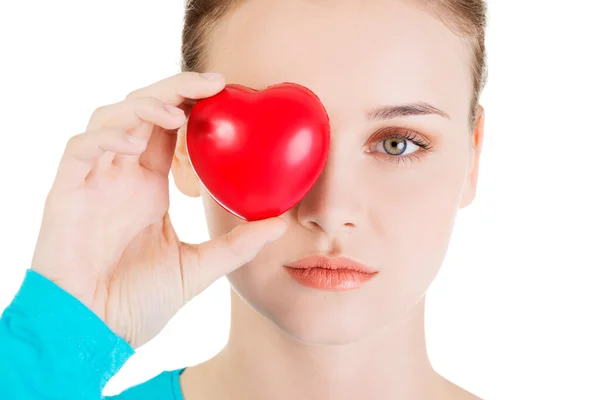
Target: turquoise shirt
(53, 347)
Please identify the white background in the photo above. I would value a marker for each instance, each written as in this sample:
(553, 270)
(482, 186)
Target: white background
(513, 314)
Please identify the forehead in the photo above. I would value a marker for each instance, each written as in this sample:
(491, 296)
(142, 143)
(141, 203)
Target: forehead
(352, 53)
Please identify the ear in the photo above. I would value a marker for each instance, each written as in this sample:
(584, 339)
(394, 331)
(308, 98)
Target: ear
(185, 178)
(475, 153)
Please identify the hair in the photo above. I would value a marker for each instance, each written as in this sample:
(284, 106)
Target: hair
(465, 18)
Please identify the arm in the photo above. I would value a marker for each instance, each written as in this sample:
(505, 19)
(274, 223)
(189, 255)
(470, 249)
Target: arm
(53, 347)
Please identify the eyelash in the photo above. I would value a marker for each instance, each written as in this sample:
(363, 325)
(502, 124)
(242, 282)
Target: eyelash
(403, 135)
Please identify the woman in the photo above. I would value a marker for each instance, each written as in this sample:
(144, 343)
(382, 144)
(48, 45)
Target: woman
(401, 82)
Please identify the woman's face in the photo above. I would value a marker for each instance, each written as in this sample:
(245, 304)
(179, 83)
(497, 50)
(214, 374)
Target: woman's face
(390, 209)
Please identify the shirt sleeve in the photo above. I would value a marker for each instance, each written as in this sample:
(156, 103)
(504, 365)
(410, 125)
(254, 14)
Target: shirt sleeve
(54, 347)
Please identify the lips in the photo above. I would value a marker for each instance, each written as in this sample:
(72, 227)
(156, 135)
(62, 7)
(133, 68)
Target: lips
(330, 274)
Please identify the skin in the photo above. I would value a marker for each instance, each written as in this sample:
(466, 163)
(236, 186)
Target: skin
(293, 342)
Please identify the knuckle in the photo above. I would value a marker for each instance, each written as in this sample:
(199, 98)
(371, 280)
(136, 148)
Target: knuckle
(99, 112)
(143, 105)
(150, 102)
(100, 115)
(134, 94)
(100, 109)
(75, 140)
(231, 244)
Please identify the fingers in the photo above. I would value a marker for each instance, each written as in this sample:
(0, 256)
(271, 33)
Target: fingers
(83, 151)
(161, 104)
(161, 121)
(159, 152)
(138, 117)
(130, 114)
(149, 114)
(205, 263)
(182, 87)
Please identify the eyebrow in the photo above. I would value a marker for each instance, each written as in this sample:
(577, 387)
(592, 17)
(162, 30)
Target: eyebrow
(405, 110)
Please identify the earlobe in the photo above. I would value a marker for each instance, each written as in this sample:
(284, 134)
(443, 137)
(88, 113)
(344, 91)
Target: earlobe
(185, 179)
(476, 144)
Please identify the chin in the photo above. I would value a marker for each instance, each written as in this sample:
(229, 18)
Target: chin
(308, 315)
(322, 330)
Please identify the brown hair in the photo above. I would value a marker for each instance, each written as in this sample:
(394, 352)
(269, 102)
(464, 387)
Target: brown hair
(466, 18)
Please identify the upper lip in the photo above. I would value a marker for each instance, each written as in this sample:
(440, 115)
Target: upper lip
(331, 263)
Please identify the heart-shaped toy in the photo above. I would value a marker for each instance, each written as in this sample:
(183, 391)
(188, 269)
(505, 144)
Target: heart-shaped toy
(258, 153)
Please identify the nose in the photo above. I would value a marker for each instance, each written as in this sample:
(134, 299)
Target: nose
(333, 205)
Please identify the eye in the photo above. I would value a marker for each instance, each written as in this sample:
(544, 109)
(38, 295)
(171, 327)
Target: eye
(400, 145)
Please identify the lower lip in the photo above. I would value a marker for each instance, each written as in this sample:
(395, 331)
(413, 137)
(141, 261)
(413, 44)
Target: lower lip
(329, 279)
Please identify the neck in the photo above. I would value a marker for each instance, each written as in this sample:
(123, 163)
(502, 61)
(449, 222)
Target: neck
(262, 362)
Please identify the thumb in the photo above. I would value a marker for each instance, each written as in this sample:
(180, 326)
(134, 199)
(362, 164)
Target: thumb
(203, 264)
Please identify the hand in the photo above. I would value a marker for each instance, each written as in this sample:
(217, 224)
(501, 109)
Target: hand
(106, 237)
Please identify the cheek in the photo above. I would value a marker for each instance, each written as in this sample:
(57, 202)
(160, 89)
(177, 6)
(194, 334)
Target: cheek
(418, 200)
(260, 282)
(413, 218)
(413, 204)
(256, 282)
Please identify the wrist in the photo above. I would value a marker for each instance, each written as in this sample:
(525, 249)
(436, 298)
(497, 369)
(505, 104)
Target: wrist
(84, 289)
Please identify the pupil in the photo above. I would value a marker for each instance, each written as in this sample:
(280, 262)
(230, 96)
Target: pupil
(392, 146)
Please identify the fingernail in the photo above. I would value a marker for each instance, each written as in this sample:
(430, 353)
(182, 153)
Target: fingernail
(173, 110)
(277, 236)
(135, 140)
(212, 76)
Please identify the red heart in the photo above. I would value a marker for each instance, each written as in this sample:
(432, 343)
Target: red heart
(258, 153)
